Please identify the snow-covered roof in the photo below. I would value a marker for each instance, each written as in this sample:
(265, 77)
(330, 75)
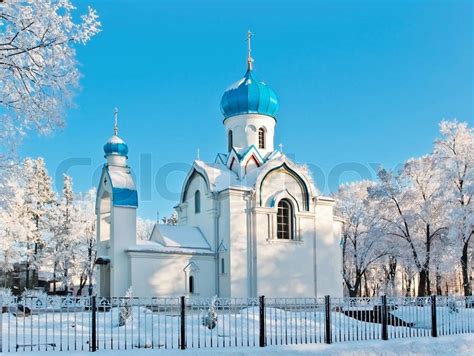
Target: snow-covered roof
(179, 236)
(221, 177)
(115, 139)
(174, 239)
(121, 177)
(124, 190)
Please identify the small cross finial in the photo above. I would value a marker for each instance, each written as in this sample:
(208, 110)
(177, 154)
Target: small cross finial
(249, 49)
(157, 217)
(281, 147)
(116, 121)
(197, 154)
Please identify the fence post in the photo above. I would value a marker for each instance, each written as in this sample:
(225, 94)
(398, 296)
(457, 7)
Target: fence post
(327, 329)
(182, 346)
(384, 318)
(263, 337)
(1, 324)
(434, 327)
(93, 344)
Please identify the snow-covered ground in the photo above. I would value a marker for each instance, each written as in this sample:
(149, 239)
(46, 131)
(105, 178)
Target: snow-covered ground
(446, 345)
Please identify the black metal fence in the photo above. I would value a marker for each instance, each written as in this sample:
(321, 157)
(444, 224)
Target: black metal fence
(91, 323)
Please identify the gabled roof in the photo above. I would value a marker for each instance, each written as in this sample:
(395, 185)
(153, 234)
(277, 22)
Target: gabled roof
(124, 192)
(174, 239)
(179, 236)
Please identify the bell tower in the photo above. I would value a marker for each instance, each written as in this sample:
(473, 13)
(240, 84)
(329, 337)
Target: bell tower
(116, 206)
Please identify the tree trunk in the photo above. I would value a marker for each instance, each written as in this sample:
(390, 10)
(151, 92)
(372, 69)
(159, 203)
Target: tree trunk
(428, 283)
(465, 270)
(55, 268)
(355, 289)
(27, 275)
(82, 284)
(438, 282)
(366, 285)
(352, 292)
(408, 284)
(422, 283)
(392, 272)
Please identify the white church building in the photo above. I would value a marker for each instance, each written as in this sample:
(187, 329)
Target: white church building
(250, 223)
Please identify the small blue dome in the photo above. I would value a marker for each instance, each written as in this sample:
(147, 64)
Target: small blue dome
(115, 146)
(249, 96)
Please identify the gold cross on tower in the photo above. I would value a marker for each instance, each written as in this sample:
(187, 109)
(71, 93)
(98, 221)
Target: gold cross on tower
(249, 48)
(116, 121)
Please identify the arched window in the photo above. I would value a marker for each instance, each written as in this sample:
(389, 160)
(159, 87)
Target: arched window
(261, 137)
(191, 284)
(222, 266)
(285, 220)
(197, 202)
(230, 140)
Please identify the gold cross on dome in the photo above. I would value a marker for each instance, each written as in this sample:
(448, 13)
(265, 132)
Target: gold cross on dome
(116, 111)
(249, 50)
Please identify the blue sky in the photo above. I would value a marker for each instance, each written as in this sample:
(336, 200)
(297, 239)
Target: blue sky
(360, 83)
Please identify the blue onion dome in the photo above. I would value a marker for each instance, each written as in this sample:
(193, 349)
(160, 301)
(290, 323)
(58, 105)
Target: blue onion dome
(115, 146)
(249, 96)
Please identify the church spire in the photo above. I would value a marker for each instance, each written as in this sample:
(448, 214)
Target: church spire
(116, 121)
(249, 51)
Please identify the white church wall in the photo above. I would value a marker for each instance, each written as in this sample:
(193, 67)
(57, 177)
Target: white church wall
(245, 131)
(328, 250)
(204, 219)
(123, 236)
(163, 274)
(224, 270)
(224, 234)
(238, 240)
(285, 268)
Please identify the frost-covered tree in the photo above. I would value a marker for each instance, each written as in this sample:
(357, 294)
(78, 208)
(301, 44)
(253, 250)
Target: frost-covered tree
(170, 220)
(144, 228)
(394, 210)
(63, 242)
(454, 153)
(38, 64)
(410, 205)
(86, 249)
(38, 199)
(16, 227)
(362, 240)
(428, 211)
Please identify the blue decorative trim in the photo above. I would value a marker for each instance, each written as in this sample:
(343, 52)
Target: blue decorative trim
(255, 149)
(220, 159)
(125, 197)
(241, 157)
(120, 196)
(230, 156)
